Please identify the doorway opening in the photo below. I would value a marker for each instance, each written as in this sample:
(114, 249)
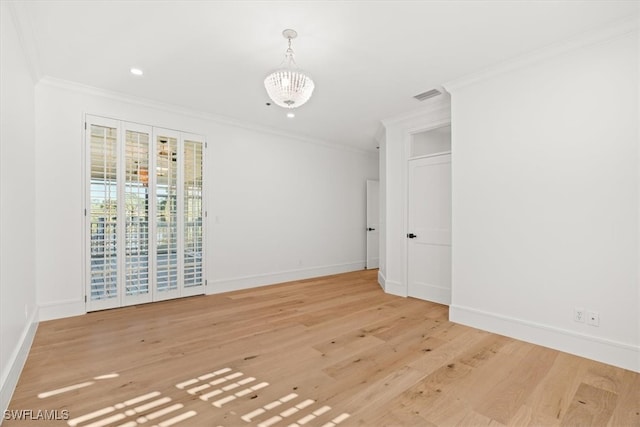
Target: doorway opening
(429, 216)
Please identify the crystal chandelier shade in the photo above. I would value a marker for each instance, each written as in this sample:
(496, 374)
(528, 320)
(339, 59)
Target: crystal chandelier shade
(289, 87)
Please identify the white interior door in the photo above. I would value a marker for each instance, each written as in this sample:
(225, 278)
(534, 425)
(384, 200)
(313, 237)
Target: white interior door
(373, 224)
(429, 229)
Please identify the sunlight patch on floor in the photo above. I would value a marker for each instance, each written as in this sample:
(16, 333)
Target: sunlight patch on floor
(96, 417)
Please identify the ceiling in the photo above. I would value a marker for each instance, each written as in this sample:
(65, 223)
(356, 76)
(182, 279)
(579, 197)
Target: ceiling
(367, 58)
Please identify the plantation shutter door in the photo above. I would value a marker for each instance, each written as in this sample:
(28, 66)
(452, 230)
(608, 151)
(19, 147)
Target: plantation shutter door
(193, 214)
(102, 268)
(167, 218)
(135, 214)
(144, 214)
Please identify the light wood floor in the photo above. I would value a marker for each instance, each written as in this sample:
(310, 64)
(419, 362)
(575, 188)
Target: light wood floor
(327, 351)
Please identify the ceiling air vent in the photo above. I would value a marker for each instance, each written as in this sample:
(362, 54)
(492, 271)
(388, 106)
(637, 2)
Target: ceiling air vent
(428, 94)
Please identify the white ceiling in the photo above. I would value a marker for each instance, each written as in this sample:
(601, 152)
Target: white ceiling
(368, 58)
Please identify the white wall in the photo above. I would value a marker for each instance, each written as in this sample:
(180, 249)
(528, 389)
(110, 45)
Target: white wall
(17, 205)
(392, 245)
(434, 141)
(545, 201)
(280, 208)
(382, 194)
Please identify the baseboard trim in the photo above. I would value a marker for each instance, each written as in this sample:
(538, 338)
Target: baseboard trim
(69, 308)
(246, 282)
(432, 293)
(395, 288)
(17, 361)
(626, 356)
(375, 263)
(61, 309)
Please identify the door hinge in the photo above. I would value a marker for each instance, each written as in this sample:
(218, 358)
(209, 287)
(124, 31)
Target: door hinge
(85, 298)
(85, 125)
(206, 145)
(85, 212)
(206, 282)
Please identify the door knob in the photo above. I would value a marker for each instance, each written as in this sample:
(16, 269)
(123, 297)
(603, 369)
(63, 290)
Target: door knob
(411, 236)
(370, 229)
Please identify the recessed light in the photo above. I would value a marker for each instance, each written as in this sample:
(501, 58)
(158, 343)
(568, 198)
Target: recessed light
(136, 71)
(291, 115)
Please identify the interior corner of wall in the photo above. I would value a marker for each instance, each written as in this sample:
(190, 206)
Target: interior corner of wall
(395, 288)
(381, 279)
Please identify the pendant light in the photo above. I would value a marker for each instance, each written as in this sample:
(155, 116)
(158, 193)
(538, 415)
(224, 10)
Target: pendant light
(288, 86)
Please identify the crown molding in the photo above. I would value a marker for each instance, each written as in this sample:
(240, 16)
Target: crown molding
(440, 104)
(618, 29)
(195, 114)
(26, 37)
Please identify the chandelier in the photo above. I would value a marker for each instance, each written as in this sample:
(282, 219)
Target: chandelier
(288, 86)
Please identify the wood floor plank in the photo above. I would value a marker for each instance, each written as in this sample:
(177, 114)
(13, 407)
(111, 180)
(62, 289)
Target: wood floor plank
(627, 411)
(334, 350)
(504, 398)
(550, 400)
(591, 406)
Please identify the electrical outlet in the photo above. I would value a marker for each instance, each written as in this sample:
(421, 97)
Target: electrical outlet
(593, 318)
(578, 314)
